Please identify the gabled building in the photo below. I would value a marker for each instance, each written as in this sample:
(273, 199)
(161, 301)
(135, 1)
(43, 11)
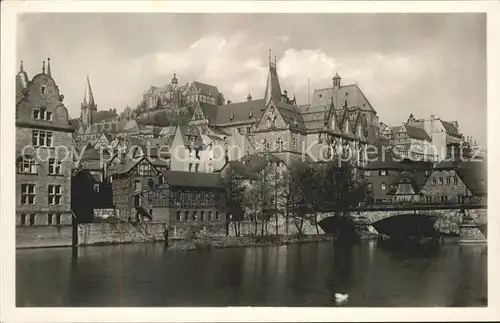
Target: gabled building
(43, 151)
(457, 183)
(392, 178)
(414, 143)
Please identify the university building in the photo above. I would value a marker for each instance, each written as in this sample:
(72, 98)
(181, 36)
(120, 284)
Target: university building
(43, 151)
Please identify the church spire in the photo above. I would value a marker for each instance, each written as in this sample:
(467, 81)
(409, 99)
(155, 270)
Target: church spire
(273, 89)
(48, 66)
(88, 99)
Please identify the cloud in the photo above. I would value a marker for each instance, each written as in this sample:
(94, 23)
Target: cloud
(283, 39)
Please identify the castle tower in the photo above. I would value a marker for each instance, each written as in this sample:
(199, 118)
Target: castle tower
(273, 89)
(88, 106)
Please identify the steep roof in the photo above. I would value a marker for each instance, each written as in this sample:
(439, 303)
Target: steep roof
(102, 116)
(88, 98)
(417, 133)
(249, 166)
(273, 89)
(206, 89)
(209, 111)
(417, 179)
(192, 179)
(450, 128)
(291, 115)
(350, 93)
(239, 113)
(395, 130)
(188, 131)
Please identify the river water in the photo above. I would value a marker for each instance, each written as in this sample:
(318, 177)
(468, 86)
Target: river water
(372, 273)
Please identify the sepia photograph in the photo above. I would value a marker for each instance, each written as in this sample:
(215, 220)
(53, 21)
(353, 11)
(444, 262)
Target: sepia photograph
(263, 159)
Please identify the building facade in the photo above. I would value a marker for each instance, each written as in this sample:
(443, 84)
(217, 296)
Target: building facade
(43, 151)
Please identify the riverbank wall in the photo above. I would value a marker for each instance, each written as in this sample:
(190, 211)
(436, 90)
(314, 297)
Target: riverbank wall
(86, 234)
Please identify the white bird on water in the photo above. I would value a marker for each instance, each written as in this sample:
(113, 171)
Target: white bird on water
(341, 297)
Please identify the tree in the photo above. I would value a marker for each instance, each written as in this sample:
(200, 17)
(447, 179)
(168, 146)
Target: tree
(300, 178)
(220, 99)
(234, 191)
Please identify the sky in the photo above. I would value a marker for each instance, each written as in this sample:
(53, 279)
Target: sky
(404, 63)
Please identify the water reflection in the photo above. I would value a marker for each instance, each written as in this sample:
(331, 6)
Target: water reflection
(372, 273)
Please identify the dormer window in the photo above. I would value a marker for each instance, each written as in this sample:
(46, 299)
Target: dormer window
(332, 123)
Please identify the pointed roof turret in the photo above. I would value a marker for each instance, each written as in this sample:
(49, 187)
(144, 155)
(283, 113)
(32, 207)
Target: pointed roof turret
(48, 66)
(88, 99)
(273, 89)
(174, 79)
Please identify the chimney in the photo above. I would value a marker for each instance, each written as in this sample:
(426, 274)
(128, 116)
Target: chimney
(249, 97)
(432, 117)
(228, 101)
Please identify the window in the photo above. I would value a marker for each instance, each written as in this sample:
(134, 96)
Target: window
(332, 123)
(217, 216)
(42, 114)
(23, 219)
(248, 130)
(27, 194)
(49, 218)
(186, 215)
(209, 217)
(179, 216)
(137, 185)
(32, 218)
(455, 180)
(55, 167)
(434, 181)
(195, 215)
(42, 138)
(27, 165)
(426, 173)
(58, 218)
(55, 194)
(383, 187)
(144, 169)
(269, 122)
(367, 173)
(383, 172)
(444, 198)
(151, 183)
(96, 188)
(196, 167)
(190, 166)
(43, 89)
(448, 180)
(441, 180)
(202, 216)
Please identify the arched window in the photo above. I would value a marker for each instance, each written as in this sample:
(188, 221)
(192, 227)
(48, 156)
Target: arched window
(332, 123)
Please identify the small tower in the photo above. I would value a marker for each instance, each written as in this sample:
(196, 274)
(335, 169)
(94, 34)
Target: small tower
(48, 67)
(174, 80)
(336, 81)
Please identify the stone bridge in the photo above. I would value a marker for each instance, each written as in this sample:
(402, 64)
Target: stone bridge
(402, 222)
